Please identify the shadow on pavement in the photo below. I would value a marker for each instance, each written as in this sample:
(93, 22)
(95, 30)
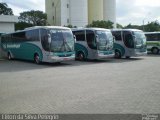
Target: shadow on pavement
(23, 65)
(153, 55)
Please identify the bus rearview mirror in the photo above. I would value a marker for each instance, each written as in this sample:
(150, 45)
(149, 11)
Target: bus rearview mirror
(74, 38)
(49, 38)
(96, 38)
(114, 39)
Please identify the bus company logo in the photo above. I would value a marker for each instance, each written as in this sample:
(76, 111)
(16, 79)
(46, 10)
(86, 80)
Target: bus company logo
(13, 46)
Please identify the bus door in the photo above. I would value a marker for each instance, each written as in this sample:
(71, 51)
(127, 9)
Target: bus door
(128, 42)
(92, 44)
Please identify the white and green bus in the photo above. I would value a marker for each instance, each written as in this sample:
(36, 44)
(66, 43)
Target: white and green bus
(129, 42)
(93, 43)
(153, 42)
(40, 44)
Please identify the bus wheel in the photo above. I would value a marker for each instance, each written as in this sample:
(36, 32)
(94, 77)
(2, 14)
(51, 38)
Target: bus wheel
(118, 54)
(36, 59)
(9, 56)
(80, 56)
(155, 50)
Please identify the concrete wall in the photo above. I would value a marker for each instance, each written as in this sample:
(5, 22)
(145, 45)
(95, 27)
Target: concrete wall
(7, 27)
(65, 16)
(49, 10)
(7, 23)
(79, 12)
(65, 12)
(53, 10)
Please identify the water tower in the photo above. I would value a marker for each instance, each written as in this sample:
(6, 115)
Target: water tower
(109, 11)
(95, 10)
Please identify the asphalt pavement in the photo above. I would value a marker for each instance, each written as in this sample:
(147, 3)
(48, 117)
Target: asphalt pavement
(113, 86)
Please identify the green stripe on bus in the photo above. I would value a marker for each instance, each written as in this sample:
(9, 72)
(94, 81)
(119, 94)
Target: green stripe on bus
(120, 48)
(79, 47)
(26, 51)
(153, 43)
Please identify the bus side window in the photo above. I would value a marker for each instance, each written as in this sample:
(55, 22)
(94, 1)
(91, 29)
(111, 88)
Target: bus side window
(35, 35)
(158, 36)
(32, 35)
(117, 35)
(128, 39)
(80, 35)
(18, 37)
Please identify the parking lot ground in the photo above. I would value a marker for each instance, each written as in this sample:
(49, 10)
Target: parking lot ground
(107, 87)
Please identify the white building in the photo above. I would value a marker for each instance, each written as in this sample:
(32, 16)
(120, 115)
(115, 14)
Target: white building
(7, 25)
(79, 12)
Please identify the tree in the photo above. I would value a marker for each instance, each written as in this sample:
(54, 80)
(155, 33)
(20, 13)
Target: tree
(4, 10)
(101, 24)
(152, 26)
(69, 26)
(36, 18)
(22, 25)
(119, 26)
(129, 26)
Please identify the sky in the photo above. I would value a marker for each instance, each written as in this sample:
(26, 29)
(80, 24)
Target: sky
(135, 12)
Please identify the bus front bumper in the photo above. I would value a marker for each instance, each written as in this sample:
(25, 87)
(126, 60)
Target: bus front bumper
(101, 55)
(140, 54)
(60, 59)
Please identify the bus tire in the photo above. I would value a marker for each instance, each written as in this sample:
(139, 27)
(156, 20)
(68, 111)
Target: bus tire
(117, 54)
(37, 59)
(81, 56)
(9, 56)
(155, 50)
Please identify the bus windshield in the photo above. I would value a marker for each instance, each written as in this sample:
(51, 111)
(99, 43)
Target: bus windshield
(140, 39)
(61, 40)
(105, 40)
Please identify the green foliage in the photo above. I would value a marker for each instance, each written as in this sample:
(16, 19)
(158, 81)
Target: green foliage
(4, 10)
(70, 26)
(119, 26)
(152, 26)
(101, 24)
(129, 26)
(22, 25)
(36, 18)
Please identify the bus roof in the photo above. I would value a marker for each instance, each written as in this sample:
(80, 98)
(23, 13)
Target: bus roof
(76, 29)
(46, 27)
(38, 27)
(151, 32)
(126, 30)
